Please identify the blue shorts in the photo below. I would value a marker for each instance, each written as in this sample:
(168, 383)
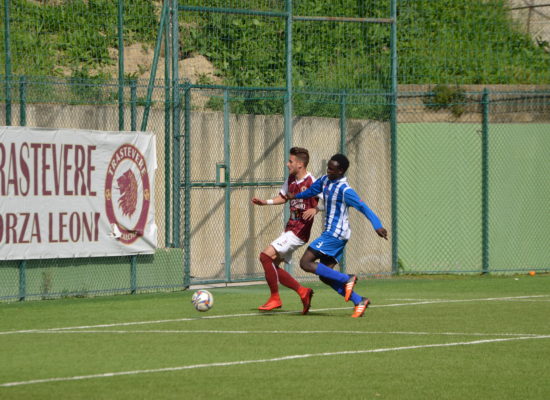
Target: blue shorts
(329, 245)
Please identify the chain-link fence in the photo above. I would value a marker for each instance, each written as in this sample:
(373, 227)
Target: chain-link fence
(472, 179)
(519, 164)
(94, 107)
(234, 156)
(468, 198)
(459, 177)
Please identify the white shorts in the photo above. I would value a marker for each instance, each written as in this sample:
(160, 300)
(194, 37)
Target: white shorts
(286, 244)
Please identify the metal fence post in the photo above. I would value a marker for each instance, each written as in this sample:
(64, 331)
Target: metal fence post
(187, 189)
(227, 180)
(7, 55)
(133, 274)
(156, 55)
(288, 100)
(343, 122)
(22, 280)
(23, 100)
(343, 150)
(176, 124)
(288, 104)
(133, 103)
(485, 182)
(393, 134)
(167, 135)
(120, 21)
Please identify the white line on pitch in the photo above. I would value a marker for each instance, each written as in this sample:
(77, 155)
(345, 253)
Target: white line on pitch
(285, 332)
(117, 324)
(460, 301)
(534, 300)
(418, 299)
(266, 360)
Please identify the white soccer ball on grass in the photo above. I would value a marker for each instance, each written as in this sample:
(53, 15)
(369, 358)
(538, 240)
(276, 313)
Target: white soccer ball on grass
(202, 300)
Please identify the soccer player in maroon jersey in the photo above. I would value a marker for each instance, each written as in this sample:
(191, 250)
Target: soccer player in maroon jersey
(296, 232)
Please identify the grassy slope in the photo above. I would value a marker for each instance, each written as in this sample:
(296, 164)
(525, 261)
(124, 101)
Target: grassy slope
(439, 41)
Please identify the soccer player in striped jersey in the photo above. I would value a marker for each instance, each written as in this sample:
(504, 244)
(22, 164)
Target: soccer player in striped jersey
(328, 248)
(296, 234)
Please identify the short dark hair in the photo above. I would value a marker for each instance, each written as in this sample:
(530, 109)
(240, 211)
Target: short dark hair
(301, 154)
(342, 161)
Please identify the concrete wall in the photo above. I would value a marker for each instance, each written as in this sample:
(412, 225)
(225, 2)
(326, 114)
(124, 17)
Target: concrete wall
(257, 155)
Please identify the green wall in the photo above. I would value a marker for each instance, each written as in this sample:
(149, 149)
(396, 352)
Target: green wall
(519, 196)
(82, 277)
(439, 197)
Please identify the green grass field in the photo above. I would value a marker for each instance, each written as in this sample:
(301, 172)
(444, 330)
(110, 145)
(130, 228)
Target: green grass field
(423, 338)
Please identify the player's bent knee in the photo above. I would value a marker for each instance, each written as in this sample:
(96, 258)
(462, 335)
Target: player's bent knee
(307, 266)
(264, 257)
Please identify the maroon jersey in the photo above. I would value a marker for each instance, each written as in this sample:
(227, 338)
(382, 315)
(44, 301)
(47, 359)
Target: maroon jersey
(296, 224)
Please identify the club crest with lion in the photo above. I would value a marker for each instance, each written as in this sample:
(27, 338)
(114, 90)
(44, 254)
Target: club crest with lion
(127, 193)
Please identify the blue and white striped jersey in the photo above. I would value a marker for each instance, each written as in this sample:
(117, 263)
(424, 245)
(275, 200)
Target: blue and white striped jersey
(338, 196)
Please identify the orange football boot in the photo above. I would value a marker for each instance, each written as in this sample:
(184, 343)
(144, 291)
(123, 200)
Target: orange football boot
(306, 300)
(273, 303)
(350, 284)
(361, 308)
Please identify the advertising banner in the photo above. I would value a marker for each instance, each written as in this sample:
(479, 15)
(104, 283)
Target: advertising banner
(76, 193)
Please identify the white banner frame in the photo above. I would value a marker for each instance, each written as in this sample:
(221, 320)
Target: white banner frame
(76, 193)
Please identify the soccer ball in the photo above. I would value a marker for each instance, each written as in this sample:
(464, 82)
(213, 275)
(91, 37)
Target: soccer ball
(202, 300)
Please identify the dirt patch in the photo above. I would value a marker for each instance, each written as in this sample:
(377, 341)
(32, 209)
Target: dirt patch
(534, 18)
(47, 2)
(138, 63)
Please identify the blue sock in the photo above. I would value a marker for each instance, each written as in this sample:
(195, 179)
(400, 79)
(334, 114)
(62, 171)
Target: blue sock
(355, 298)
(326, 272)
(337, 286)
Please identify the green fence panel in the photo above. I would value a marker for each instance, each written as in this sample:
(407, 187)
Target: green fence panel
(444, 225)
(519, 167)
(518, 208)
(439, 197)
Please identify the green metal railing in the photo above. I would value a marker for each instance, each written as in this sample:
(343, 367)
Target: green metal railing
(485, 182)
(7, 60)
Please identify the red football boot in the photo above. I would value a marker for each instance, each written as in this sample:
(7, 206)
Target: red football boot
(273, 303)
(306, 300)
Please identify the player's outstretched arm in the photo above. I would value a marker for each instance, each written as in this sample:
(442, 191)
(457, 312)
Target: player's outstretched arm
(352, 199)
(312, 191)
(275, 201)
(382, 232)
